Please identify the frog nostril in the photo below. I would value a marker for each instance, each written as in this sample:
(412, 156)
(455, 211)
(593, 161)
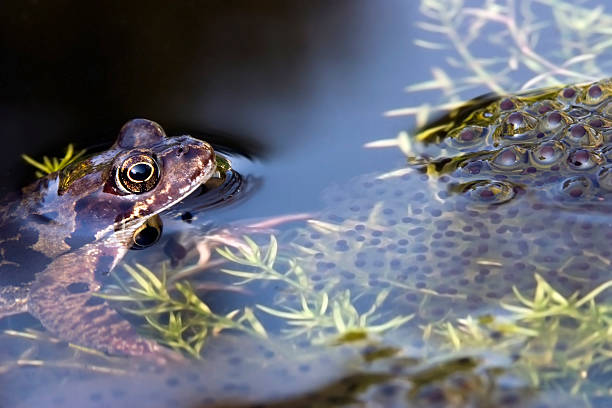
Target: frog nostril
(182, 150)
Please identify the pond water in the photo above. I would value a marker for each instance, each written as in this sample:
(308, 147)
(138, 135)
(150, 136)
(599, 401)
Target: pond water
(350, 256)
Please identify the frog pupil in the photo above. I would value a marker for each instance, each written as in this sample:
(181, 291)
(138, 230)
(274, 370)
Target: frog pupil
(140, 172)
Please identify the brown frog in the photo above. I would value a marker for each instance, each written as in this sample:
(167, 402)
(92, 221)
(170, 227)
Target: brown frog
(74, 225)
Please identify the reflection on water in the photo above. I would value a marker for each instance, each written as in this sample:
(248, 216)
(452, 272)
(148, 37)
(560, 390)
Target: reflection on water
(476, 275)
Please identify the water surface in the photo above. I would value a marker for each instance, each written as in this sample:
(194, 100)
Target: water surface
(393, 293)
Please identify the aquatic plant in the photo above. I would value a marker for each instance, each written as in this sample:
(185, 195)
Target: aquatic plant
(536, 43)
(179, 318)
(319, 314)
(560, 342)
(53, 164)
(175, 314)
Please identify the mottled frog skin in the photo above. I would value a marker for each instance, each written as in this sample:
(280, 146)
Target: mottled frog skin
(73, 226)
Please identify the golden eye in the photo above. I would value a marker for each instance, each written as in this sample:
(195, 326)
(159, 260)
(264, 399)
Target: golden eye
(138, 174)
(148, 233)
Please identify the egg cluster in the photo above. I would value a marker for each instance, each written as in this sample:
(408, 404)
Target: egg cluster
(557, 140)
(527, 190)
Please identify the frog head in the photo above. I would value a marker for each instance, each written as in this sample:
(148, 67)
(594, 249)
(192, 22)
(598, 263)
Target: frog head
(109, 195)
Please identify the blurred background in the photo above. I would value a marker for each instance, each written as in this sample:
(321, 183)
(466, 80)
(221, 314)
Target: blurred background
(298, 85)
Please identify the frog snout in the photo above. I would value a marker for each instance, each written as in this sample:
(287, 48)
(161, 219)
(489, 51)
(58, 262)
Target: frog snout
(201, 157)
(202, 150)
(190, 149)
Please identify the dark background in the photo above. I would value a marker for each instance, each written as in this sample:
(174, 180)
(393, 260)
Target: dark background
(299, 85)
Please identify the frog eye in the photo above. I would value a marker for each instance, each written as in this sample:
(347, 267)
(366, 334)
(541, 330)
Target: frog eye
(148, 233)
(138, 174)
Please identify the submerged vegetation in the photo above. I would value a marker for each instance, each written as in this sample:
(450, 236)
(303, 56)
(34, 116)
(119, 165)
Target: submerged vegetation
(554, 341)
(175, 314)
(559, 342)
(179, 318)
(320, 314)
(537, 43)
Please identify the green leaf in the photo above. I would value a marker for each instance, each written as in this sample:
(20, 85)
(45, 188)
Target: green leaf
(452, 335)
(151, 276)
(436, 28)
(191, 298)
(48, 164)
(521, 298)
(229, 255)
(272, 251)
(305, 307)
(391, 324)
(119, 298)
(286, 315)
(299, 273)
(255, 254)
(139, 279)
(429, 45)
(254, 322)
(34, 163)
(594, 293)
(337, 317)
(324, 303)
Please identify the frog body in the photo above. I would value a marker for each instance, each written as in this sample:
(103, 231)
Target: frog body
(73, 226)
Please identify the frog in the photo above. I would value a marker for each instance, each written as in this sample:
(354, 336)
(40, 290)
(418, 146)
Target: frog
(67, 231)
